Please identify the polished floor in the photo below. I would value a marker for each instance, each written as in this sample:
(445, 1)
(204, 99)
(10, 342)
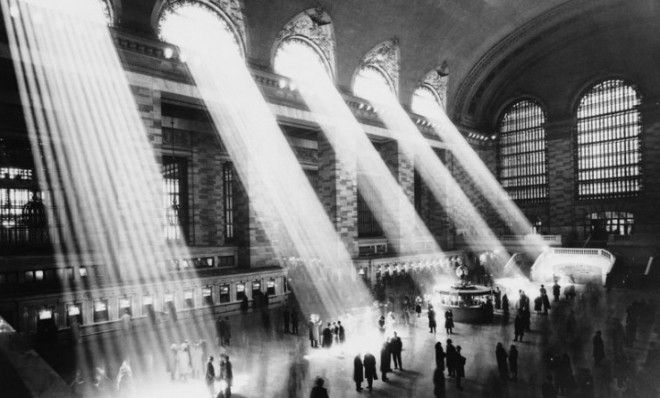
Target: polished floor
(273, 364)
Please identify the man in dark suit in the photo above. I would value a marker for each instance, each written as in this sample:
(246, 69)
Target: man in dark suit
(370, 374)
(397, 347)
(460, 367)
(358, 373)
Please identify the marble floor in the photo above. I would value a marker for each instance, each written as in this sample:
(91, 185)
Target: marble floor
(264, 361)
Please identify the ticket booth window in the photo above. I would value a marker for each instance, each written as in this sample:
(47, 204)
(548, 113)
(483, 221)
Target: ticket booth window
(270, 286)
(148, 307)
(73, 312)
(83, 272)
(46, 322)
(207, 296)
(256, 288)
(188, 298)
(168, 299)
(224, 293)
(101, 311)
(125, 306)
(240, 291)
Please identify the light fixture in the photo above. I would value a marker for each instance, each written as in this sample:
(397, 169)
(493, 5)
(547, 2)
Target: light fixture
(281, 84)
(168, 52)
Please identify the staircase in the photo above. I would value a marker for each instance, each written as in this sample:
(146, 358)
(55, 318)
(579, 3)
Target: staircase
(574, 265)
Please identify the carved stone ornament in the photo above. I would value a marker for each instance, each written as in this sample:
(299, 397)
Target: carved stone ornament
(387, 57)
(315, 25)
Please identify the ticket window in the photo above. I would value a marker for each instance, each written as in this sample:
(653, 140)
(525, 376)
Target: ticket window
(256, 288)
(224, 293)
(125, 306)
(270, 287)
(188, 299)
(240, 291)
(168, 299)
(46, 321)
(148, 306)
(101, 311)
(207, 297)
(73, 314)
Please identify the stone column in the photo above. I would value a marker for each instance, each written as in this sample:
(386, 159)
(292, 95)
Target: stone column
(338, 193)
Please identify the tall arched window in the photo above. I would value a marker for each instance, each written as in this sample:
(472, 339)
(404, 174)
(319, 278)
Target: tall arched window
(372, 83)
(295, 54)
(522, 151)
(177, 20)
(609, 126)
(426, 102)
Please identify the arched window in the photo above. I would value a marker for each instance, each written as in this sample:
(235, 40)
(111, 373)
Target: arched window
(609, 126)
(371, 83)
(426, 102)
(295, 54)
(522, 151)
(178, 19)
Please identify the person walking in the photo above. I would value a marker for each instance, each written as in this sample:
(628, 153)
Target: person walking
(226, 376)
(501, 356)
(460, 367)
(369, 363)
(439, 383)
(318, 391)
(449, 322)
(556, 291)
(519, 327)
(385, 361)
(451, 359)
(397, 347)
(513, 362)
(358, 373)
(210, 377)
(341, 332)
(432, 322)
(439, 357)
(598, 348)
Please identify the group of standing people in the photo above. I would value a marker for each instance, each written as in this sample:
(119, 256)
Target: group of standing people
(333, 333)
(451, 359)
(186, 360)
(365, 368)
(224, 375)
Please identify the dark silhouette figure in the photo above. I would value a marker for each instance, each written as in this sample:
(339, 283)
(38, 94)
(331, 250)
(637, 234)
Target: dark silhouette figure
(513, 362)
(556, 291)
(318, 391)
(501, 356)
(451, 359)
(460, 367)
(449, 322)
(397, 347)
(505, 309)
(598, 348)
(370, 374)
(519, 327)
(358, 373)
(385, 361)
(327, 337)
(245, 306)
(439, 383)
(439, 357)
(432, 322)
(341, 333)
(294, 322)
(210, 376)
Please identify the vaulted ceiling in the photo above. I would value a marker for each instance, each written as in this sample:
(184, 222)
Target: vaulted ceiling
(483, 41)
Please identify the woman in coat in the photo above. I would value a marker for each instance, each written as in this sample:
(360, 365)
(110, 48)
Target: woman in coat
(370, 374)
(385, 361)
(358, 373)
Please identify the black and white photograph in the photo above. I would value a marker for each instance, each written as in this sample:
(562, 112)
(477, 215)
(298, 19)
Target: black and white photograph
(329, 198)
